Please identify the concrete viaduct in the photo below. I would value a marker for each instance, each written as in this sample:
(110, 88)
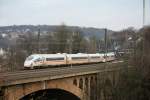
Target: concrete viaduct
(77, 82)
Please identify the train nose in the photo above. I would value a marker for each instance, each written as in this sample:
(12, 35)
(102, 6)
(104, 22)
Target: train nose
(27, 64)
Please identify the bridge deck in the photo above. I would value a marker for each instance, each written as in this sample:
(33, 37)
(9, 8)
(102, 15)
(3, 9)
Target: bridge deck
(26, 76)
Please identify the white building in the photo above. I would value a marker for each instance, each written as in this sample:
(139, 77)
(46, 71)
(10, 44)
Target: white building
(2, 52)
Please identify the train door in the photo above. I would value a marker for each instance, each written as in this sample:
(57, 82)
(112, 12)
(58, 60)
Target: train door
(43, 61)
(66, 59)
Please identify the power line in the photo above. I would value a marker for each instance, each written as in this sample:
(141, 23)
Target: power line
(143, 13)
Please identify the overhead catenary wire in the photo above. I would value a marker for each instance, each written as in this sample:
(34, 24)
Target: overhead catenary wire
(144, 12)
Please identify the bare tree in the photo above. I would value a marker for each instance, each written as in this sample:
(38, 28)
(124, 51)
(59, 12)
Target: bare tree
(77, 39)
(62, 36)
(92, 44)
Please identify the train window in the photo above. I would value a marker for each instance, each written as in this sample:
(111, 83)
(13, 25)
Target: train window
(30, 58)
(79, 57)
(50, 59)
(38, 60)
(95, 57)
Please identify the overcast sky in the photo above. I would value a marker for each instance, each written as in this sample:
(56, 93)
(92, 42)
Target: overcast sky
(112, 14)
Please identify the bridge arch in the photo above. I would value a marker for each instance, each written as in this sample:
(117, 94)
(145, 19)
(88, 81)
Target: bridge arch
(19, 91)
(53, 94)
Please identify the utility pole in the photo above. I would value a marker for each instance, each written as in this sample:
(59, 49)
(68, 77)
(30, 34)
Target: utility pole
(105, 41)
(71, 44)
(143, 51)
(38, 41)
(105, 54)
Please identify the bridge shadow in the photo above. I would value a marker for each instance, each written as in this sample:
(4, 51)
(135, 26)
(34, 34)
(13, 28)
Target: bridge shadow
(50, 94)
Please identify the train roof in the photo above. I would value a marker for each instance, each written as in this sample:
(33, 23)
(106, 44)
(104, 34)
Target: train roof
(77, 55)
(72, 55)
(48, 55)
(110, 53)
(94, 54)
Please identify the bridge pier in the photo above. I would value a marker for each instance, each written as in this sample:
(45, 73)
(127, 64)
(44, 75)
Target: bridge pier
(89, 89)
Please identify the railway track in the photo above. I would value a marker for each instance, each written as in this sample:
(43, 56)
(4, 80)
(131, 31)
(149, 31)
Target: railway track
(9, 77)
(45, 69)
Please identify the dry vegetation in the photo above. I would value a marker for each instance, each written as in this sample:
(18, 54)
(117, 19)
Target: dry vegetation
(133, 85)
(61, 41)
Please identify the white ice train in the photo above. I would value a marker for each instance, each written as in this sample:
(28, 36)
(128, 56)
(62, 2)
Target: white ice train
(49, 60)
